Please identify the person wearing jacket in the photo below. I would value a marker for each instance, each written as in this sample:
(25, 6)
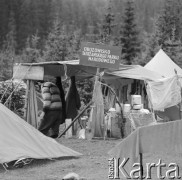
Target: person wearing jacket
(52, 108)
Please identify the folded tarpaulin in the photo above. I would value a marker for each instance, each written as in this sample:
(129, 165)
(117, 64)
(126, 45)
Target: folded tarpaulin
(18, 139)
(164, 138)
(164, 93)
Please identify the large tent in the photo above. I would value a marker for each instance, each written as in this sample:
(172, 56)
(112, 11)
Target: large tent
(20, 140)
(38, 71)
(162, 64)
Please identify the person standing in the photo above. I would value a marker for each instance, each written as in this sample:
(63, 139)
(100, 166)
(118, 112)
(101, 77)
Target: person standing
(52, 108)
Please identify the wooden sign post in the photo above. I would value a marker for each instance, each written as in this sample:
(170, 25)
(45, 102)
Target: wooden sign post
(99, 55)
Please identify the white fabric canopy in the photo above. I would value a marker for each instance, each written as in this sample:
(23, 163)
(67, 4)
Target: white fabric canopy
(132, 72)
(164, 93)
(162, 64)
(18, 140)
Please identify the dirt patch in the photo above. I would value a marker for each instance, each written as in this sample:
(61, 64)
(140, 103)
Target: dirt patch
(93, 164)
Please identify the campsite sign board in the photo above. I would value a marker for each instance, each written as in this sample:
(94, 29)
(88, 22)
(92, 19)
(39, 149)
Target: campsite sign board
(99, 55)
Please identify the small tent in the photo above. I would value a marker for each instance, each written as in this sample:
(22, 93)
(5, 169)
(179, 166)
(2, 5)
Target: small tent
(18, 140)
(162, 64)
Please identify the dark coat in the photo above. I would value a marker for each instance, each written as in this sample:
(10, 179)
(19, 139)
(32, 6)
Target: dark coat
(72, 100)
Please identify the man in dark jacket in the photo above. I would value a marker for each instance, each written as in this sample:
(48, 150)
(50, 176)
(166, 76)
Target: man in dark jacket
(52, 108)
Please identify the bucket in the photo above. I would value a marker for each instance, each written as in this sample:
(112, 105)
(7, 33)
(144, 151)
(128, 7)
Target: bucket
(136, 100)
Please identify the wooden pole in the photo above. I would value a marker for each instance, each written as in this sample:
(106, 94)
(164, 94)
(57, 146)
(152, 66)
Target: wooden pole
(141, 165)
(26, 100)
(180, 104)
(96, 80)
(76, 118)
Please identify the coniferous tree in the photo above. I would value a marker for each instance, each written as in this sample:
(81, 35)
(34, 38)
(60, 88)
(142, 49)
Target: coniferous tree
(168, 30)
(74, 43)
(56, 48)
(167, 21)
(108, 25)
(129, 34)
(173, 48)
(7, 54)
(31, 52)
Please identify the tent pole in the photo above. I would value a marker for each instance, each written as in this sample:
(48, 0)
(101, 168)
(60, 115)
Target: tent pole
(141, 165)
(76, 118)
(180, 104)
(26, 100)
(96, 80)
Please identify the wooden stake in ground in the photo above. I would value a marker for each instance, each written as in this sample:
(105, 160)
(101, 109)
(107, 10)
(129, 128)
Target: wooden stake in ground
(76, 118)
(141, 165)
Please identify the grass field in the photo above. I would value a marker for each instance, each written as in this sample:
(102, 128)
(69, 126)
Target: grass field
(93, 164)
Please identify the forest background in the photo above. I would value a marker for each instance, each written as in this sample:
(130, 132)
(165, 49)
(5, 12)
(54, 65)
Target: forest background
(52, 30)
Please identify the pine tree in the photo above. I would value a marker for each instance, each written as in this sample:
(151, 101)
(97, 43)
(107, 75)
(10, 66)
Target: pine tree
(31, 52)
(92, 31)
(74, 45)
(168, 30)
(173, 48)
(56, 48)
(108, 25)
(168, 19)
(8, 51)
(152, 47)
(129, 34)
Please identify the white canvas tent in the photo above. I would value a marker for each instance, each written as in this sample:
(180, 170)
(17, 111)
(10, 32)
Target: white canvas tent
(162, 64)
(19, 140)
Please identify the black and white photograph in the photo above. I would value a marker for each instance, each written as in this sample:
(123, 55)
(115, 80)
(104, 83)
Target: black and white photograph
(90, 89)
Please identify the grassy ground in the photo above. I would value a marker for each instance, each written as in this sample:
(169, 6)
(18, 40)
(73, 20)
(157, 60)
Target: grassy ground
(93, 164)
